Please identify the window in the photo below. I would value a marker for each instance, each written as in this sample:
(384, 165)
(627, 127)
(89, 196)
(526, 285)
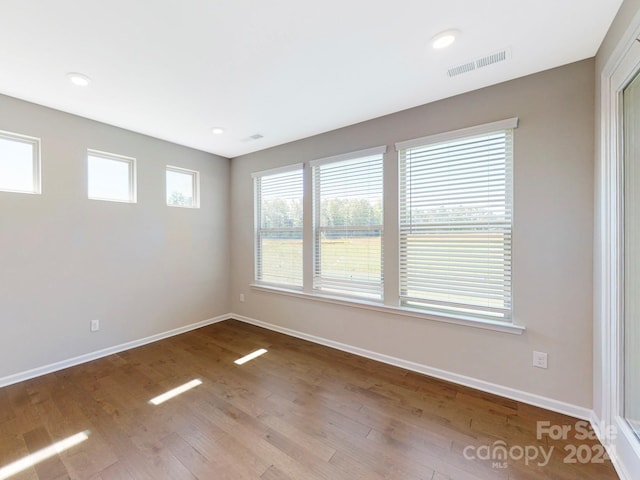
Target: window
(19, 163)
(348, 218)
(111, 177)
(182, 187)
(455, 222)
(278, 226)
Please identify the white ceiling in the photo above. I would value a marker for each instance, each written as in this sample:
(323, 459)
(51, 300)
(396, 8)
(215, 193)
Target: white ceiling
(286, 69)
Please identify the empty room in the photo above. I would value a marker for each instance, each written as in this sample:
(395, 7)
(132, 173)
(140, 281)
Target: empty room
(320, 240)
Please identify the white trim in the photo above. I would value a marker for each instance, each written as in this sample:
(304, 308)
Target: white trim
(461, 133)
(624, 62)
(368, 152)
(597, 424)
(407, 312)
(109, 155)
(507, 392)
(625, 448)
(274, 171)
(622, 48)
(87, 357)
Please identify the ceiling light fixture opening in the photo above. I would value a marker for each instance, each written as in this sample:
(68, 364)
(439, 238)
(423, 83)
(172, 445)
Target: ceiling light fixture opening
(217, 130)
(79, 79)
(444, 39)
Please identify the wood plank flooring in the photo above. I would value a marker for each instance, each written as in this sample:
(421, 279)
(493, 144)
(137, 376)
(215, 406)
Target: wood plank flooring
(300, 412)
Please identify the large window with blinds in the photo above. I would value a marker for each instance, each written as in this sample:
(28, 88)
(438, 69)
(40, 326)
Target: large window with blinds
(348, 224)
(278, 226)
(455, 222)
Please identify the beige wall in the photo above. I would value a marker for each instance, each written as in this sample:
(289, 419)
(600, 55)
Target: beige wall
(552, 239)
(141, 269)
(145, 268)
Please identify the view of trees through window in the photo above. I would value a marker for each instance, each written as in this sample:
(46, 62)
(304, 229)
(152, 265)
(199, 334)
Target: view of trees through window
(281, 213)
(182, 187)
(279, 228)
(179, 198)
(348, 219)
(454, 223)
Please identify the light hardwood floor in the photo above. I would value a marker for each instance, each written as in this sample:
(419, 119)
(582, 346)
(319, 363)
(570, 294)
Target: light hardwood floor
(301, 412)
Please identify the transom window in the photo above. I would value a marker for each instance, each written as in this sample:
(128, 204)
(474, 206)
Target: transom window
(19, 163)
(183, 187)
(111, 177)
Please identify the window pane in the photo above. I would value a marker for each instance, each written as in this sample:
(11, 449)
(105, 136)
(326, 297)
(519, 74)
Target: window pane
(455, 226)
(632, 255)
(348, 199)
(109, 179)
(180, 188)
(281, 255)
(350, 262)
(281, 201)
(17, 166)
(279, 228)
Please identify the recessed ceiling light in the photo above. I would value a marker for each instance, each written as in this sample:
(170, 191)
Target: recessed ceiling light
(217, 130)
(79, 79)
(444, 39)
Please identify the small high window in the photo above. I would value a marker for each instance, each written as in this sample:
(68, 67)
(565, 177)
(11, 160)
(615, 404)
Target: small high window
(19, 163)
(111, 177)
(182, 187)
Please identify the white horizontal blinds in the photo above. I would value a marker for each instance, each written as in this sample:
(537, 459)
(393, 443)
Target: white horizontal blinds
(279, 227)
(348, 226)
(455, 226)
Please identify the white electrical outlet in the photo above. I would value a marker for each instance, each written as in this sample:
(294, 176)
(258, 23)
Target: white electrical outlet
(540, 359)
(95, 325)
(242, 297)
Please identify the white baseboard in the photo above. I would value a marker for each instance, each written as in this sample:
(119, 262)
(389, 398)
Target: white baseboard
(519, 395)
(596, 424)
(619, 466)
(514, 394)
(87, 357)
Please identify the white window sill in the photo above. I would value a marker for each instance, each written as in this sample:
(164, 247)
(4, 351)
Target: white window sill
(407, 312)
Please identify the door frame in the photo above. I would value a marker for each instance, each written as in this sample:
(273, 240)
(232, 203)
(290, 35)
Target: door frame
(613, 430)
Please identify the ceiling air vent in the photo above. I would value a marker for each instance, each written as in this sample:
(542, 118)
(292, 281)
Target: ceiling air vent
(252, 138)
(481, 62)
(491, 59)
(460, 69)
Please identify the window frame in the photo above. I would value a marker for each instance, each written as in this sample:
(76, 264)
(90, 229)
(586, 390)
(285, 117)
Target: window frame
(508, 125)
(258, 230)
(132, 168)
(390, 303)
(195, 185)
(36, 161)
(316, 166)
